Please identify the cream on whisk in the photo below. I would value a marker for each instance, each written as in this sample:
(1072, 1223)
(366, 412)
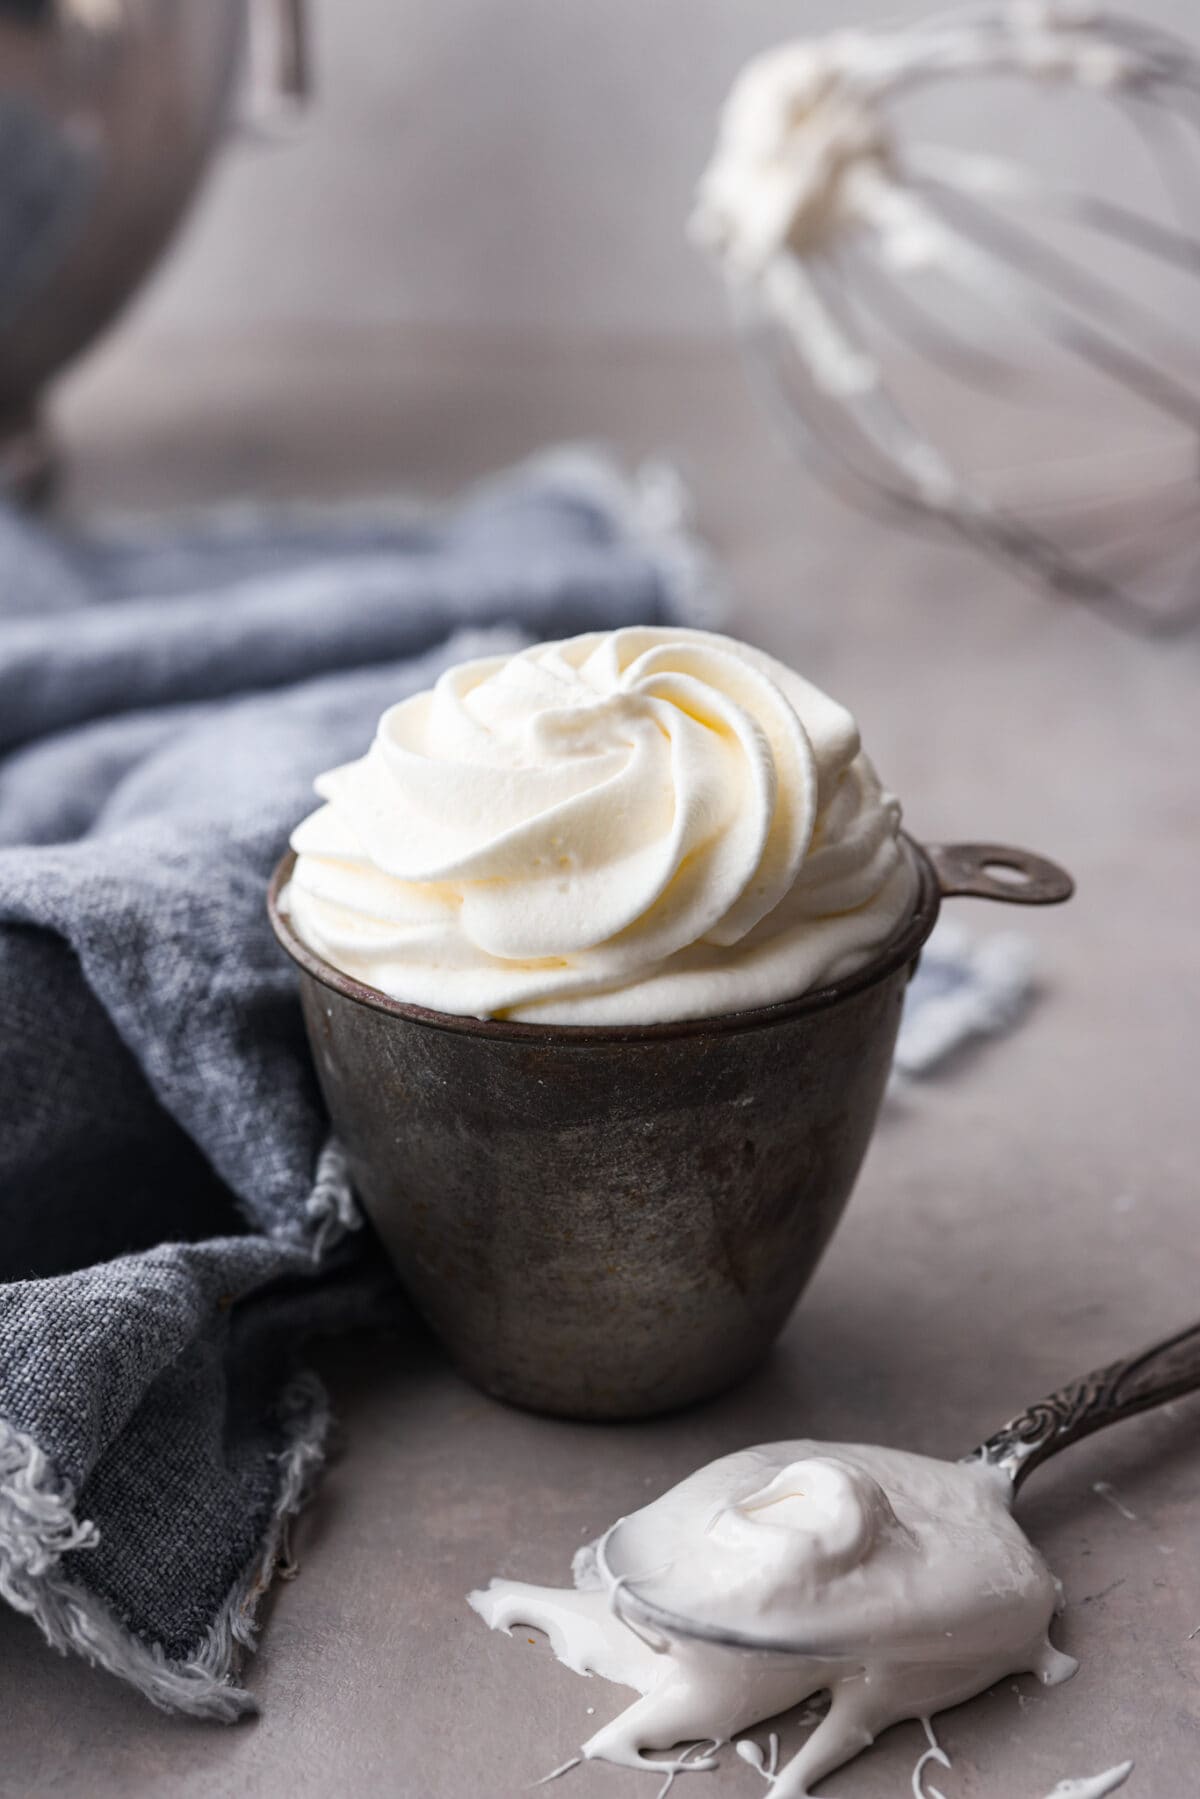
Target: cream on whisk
(622, 828)
(900, 1584)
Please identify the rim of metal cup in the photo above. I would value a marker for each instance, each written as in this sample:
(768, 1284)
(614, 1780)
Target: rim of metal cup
(903, 946)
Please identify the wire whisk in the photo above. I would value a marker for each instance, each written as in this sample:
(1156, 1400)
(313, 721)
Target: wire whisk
(870, 266)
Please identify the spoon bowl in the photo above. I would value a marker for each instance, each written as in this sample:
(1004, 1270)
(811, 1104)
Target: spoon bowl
(1164, 1371)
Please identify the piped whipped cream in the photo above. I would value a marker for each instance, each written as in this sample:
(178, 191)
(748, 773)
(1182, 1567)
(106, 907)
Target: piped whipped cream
(620, 828)
(903, 1583)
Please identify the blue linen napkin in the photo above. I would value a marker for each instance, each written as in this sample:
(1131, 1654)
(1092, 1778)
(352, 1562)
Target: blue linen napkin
(173, 1221)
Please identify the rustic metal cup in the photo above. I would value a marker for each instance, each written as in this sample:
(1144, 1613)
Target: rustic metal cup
(607, 1222)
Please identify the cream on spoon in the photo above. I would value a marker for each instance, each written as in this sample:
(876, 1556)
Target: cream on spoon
(898, 1583)
(905, 1580)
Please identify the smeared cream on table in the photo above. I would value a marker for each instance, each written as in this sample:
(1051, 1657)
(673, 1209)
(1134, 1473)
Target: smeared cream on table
(1093, 1786)
(904, 1581)
(620, 828)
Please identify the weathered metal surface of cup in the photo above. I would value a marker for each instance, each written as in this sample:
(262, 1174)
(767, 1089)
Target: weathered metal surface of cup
(608, 1223)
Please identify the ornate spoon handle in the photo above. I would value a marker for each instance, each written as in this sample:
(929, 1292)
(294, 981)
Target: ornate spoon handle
(1164, 1371)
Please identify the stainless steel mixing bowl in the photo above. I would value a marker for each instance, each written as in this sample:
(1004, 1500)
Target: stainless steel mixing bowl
(109, 113)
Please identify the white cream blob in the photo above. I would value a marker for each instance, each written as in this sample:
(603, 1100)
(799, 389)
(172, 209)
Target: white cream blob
(904, 1584)
(621, 828)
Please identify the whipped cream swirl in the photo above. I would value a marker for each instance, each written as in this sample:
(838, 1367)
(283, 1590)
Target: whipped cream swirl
(621, 828)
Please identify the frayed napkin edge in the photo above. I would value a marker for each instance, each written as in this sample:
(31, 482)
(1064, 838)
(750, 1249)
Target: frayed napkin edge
(38, 1526)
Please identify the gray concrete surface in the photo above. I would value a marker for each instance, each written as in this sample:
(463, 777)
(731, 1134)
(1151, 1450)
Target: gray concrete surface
(1028, 1215)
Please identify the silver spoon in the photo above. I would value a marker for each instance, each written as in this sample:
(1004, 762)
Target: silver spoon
(1165, 1371)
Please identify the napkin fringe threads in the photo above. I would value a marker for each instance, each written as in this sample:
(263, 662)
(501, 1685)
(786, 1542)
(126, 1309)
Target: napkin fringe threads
(38, 1526)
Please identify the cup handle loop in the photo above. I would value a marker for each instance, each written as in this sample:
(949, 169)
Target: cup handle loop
(996, 871)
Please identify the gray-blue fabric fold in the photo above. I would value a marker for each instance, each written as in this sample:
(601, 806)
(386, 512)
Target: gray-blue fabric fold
(173, 1220)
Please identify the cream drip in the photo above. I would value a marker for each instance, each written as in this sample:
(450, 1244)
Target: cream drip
(624, 827)
(806, 121)
(904, 1582)
(1093, 1786)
